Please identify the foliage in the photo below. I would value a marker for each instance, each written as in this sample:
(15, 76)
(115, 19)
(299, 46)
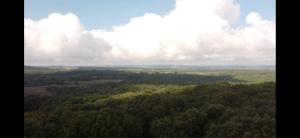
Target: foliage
(140, 110)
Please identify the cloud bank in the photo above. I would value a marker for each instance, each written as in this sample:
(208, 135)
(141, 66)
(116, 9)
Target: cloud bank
(197, 32)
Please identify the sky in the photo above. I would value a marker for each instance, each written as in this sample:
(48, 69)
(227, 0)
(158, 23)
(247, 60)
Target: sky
(115, 32)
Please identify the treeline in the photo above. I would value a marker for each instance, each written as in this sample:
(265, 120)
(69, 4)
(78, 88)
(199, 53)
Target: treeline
(219, 110)
(125, 77)
(61, 93)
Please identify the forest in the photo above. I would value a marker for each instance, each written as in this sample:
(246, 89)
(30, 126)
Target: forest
(95, 102)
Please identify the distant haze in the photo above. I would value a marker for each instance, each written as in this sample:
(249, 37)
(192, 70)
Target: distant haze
(195, 32)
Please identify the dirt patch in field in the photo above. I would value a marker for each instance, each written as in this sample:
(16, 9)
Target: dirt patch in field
(38, 90)
(95, 81)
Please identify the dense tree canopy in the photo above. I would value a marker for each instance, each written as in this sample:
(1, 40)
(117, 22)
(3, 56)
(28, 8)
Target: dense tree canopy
(209, 110)
(122, 104)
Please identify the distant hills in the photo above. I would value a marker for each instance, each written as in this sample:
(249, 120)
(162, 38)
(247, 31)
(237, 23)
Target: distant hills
(26, 67)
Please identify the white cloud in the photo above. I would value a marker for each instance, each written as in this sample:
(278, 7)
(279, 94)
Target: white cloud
(196, 32)
(61, 39)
